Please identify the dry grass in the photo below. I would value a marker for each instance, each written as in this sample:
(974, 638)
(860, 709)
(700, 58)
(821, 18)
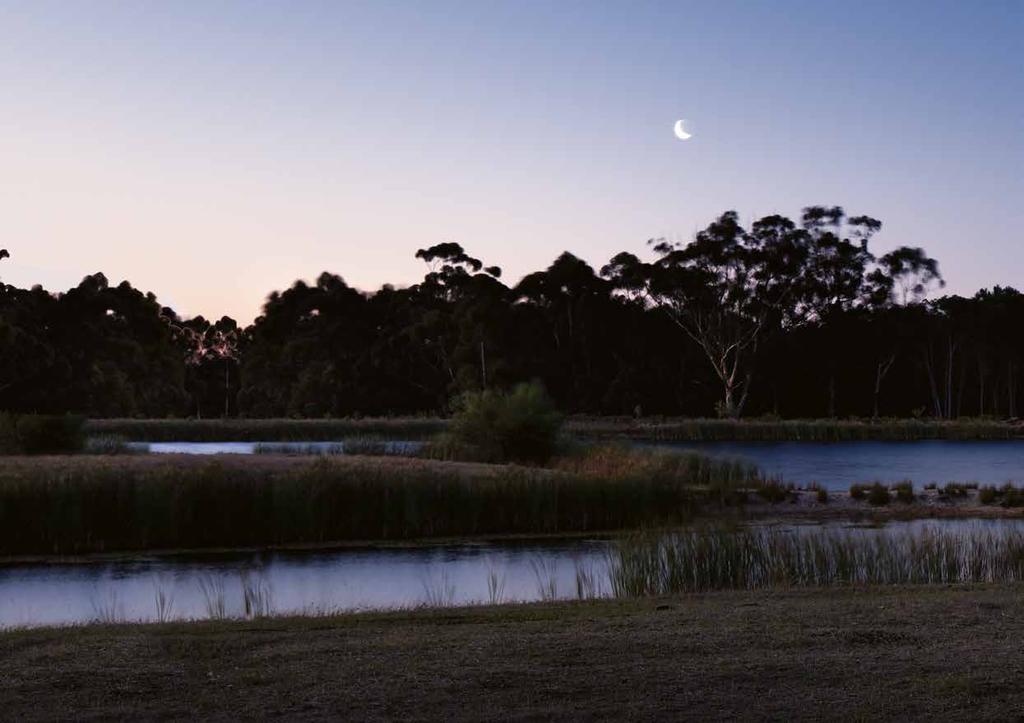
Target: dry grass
(923, 653)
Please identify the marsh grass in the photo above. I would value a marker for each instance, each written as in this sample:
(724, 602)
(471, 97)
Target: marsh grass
(266, 430)
(802, 430)
(138, 502)
(495, 585)
(299, 450)
(107, 607)
(545, 573)
(956, 490)
(1006, 496)
(214, 598)
(257, 596)
(41, 434)
(588, 581)
(107, 444)
(755, 559)
(163, 597)
(904, 492)
(438, 589)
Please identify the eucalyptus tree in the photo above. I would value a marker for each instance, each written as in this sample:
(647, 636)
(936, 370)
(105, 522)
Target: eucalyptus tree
(724, 290)
(460, 310)
(575, 314)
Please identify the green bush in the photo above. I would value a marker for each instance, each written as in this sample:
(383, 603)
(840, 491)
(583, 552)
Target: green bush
(41, 434)
(492, 426)
(822, 495)
(987, 495)
(858, 492)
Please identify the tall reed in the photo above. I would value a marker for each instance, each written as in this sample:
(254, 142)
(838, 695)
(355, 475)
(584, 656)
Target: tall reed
(753, 559)
(266, 430)
(802, 430)
(136, 502)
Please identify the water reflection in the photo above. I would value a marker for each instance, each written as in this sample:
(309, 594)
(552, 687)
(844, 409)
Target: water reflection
(155, 588)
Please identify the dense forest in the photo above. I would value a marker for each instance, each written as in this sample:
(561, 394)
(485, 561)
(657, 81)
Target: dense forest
(790, 318)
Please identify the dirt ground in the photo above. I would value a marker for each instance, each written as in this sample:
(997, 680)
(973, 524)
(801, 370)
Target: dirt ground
(935, 653)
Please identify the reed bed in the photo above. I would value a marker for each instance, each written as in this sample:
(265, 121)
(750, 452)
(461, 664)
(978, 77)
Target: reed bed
(758, 559)
(265, 430)
(651, 429)
(797, 430)
(78, 505)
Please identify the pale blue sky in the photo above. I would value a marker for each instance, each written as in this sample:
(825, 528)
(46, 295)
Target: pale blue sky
(214, 151)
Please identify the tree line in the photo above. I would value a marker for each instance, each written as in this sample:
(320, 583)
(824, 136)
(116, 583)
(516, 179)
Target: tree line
(790, 318)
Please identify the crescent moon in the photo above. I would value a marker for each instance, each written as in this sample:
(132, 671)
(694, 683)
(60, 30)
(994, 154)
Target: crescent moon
(680, 132)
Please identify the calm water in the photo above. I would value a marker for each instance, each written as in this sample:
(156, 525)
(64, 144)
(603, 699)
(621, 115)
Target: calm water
(395, 447)
(343, 580)
(297, 582)
(837, 465)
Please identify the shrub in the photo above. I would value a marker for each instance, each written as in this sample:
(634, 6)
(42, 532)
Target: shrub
(822, 495)
(954, 489)
(987, 495)
(41, 434)
(858, 492)
(878, 494)
(1012, 496)
(904, 492)
(492, 426)
(772, 492)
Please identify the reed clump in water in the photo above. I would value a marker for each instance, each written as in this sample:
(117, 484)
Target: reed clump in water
(78, 505)
(757, 559)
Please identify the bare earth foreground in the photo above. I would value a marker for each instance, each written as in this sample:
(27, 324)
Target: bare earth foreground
(939, 653)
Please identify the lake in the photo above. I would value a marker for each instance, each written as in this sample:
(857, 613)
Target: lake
(837, 465)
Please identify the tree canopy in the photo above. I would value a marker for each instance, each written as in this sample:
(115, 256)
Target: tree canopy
(794, 318)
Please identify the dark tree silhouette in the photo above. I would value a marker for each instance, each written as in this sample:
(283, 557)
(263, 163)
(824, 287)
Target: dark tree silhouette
(794, 318)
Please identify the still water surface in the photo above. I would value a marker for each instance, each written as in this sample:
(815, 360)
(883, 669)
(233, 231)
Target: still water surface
(837, 465)
(345, 580)
(298, 582)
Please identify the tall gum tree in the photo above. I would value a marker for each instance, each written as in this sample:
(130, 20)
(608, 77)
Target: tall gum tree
(724, 290)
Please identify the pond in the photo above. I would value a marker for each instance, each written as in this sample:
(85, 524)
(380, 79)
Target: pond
(152, 588)
(837, 465)
(297, 582)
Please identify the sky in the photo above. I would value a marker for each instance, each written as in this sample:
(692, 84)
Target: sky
(214, 151)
